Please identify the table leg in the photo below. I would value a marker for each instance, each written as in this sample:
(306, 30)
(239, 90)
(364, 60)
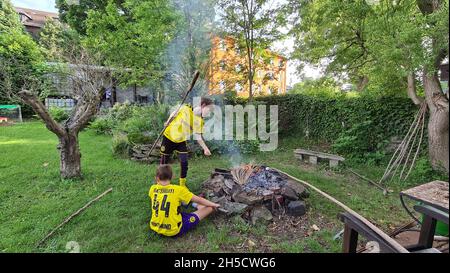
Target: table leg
(350, 240)
(427, 230)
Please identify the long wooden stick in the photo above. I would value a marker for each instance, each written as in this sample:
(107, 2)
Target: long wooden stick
(73, 215)
(385, 191)
(383, 235)
(194, 80)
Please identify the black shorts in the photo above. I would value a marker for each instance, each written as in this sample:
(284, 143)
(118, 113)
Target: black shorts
(168, 147)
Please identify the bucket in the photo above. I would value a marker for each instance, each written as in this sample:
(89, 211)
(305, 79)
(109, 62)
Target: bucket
(441, 229)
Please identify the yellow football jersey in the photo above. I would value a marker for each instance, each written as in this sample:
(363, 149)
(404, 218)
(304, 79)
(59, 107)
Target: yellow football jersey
(184, 124)
(166, 201)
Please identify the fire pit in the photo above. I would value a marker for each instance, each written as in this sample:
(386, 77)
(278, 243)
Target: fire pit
(255, 192)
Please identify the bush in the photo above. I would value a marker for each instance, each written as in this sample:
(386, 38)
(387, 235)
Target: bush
(131, 119)
(140, 138)
(423, 172)
(130, 125)
(361, 141)
(58, 114)
(102, 125)
(347, 121)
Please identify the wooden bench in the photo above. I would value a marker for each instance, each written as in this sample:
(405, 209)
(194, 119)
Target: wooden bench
(313, 156)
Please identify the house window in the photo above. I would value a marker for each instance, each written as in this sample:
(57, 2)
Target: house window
(222, 86)
(259, 73)
(238, 68)
(270, 75)
(270, 90)
(281, 64)
(222, 45)
(238, 87)
(259, 89)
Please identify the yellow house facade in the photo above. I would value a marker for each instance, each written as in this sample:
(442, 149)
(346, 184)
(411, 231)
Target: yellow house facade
(228, 70)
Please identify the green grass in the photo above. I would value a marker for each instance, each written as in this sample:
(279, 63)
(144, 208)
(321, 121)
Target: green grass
(33, 200)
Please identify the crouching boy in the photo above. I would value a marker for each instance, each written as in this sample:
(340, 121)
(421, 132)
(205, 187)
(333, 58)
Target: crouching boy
(167, 218)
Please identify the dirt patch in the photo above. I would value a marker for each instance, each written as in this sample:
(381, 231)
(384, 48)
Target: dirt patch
(283, 228)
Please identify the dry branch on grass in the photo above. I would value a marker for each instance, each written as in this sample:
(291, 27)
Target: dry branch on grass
(72, 216)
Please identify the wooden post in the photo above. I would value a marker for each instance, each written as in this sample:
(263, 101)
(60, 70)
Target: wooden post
(426, 237)
(20, 114)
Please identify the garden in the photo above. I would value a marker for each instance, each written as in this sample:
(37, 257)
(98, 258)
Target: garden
(87, 104)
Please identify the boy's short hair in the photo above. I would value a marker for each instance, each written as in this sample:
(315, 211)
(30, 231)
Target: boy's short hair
(164, 172)
(204, 101)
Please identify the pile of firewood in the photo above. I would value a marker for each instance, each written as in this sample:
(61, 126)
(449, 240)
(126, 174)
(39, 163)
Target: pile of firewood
(255, 192)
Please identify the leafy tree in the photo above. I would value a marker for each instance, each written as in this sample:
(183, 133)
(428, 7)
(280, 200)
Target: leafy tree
(19, 54)
(255, 25)
(388, 41)
(51, 39)
(190, 50)
(132, 35)
(76, 15)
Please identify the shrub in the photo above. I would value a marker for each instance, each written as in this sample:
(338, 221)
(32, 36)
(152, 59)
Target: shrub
(120, 111)
(423, 172)
(347, 121)
(361, 141)
(126, 118)
(140, 138)
(102, 125)
(120, 145)
(58, 114)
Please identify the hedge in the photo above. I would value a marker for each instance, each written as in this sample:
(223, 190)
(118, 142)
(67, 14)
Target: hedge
(371, 120)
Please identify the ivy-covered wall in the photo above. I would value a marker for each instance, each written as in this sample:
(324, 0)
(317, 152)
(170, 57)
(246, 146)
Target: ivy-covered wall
(354, 125)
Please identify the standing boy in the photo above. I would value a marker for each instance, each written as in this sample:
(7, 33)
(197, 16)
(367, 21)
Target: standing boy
(188, 121)
(167, 218)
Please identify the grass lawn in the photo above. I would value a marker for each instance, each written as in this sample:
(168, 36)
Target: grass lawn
(34, 200)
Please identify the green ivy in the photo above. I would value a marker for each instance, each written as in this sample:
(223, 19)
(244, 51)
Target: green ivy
(356, 125)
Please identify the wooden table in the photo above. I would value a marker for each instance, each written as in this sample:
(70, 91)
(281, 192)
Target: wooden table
(433, 198)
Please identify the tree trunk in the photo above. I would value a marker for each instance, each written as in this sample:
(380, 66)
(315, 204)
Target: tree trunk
(438, 124)
(114, 94)
(437, 102)
(70, 165)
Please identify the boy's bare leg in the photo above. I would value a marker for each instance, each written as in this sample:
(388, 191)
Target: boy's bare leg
(202, 211)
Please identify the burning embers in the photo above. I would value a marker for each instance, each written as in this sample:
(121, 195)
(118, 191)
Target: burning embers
(256, 192)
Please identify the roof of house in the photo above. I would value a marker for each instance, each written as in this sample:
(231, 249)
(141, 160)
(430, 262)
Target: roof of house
(35, 18)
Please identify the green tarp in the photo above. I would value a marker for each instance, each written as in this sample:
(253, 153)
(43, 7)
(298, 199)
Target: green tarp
(9, 106)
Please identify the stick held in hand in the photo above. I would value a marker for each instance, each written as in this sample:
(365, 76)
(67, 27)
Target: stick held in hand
(194, 80)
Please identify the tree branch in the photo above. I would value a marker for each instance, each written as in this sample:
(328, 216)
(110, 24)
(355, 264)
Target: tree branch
(412, 92)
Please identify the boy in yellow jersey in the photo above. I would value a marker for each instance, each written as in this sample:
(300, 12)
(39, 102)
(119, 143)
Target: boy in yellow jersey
(188, 121)
(167, 218)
